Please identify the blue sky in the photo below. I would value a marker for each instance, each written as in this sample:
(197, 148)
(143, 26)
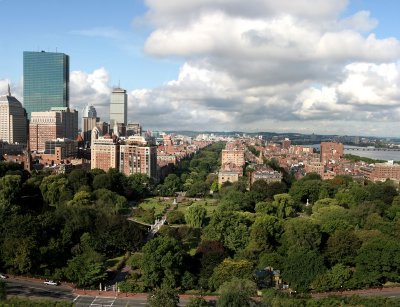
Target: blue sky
(94, 34)
(317, 66)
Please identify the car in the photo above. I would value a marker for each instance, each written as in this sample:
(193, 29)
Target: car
(3, 276)
(51, 282)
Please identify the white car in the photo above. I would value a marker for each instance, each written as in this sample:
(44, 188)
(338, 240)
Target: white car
(51, 283)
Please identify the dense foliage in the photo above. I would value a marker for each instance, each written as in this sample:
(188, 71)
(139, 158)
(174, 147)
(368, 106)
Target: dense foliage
(346, 238)
(64, 226)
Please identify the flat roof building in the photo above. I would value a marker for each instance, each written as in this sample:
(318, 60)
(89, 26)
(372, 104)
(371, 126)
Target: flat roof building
(46, 81)
(118, 107)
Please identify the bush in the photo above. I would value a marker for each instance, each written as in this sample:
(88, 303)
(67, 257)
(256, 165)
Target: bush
(176, 217)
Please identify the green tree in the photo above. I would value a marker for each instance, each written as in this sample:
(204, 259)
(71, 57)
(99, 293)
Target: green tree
(55, 189)
(284, 206)
(176, 217)
(197, 302)
(87, 268)
(19, 253)
(334, 279)
(342, 247)
(236, 293)
(229, 269)
(102, 181)
(171, 185)
(301, 233)
(301, 267)
(378, 261)
(198, 188)
(332, 218)
(195, 215)
(229, 227)
(10, 188)
(81, 198)
(78, 178)
(264, 233)
(209, 254)
(138, 186)
(163, 297)
(162, 262)
(310, 189)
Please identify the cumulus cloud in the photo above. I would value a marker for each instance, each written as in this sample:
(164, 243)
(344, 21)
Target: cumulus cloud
(269, 65)
(91, 89)
(16, 89)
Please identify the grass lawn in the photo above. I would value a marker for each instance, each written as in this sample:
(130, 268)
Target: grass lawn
(209, 204)
(158, 203)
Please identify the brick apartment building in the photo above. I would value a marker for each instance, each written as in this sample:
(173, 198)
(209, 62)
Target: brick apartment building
(51, 125)
(136, 155)
(104, 152)
(331, 151)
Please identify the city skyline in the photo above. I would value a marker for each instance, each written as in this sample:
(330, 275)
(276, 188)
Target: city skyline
(326, 67)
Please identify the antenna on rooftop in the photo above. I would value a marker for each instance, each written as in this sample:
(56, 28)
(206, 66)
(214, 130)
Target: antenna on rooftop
(9, 90)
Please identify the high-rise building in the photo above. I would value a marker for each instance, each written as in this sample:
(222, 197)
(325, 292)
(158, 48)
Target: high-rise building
(89, 121)
(118, 107)
(104, 151)
(13, 121)
(50, 125)
(46, 81)
(137, 155)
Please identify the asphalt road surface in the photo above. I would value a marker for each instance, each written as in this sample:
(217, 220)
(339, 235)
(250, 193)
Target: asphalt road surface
(31, 289)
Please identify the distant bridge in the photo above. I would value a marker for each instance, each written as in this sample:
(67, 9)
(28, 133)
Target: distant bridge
(371, 149)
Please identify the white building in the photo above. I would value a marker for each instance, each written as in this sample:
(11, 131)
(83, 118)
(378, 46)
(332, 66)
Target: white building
(13, 120)
(118, 107)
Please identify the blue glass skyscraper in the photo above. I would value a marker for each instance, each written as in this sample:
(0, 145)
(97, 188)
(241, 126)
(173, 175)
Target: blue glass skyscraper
(46, 81)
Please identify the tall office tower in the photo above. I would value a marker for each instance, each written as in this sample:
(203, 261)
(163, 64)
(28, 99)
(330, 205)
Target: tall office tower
(137, 155)
(46, 81)
(89, 121)
(118, 107)
(50, 125)
(13, 121)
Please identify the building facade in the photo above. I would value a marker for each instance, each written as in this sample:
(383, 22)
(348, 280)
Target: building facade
(331, 151)
(89, 121)
(235, 156)
(13, 120)
(104, 151)
(46, 81)
(138, 156)
(51, 125)
(118, 107)
(59, 150)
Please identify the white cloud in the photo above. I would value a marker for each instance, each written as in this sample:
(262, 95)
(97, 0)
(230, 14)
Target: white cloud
(265, 65)
(91, 88)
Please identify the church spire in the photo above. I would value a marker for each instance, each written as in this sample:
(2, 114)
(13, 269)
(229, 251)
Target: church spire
(9, 90)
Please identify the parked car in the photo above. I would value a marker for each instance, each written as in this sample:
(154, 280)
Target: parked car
(51, 282)
(3, 276)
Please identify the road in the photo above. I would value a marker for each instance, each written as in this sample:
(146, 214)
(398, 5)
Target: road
(36, 289)
(28, 288)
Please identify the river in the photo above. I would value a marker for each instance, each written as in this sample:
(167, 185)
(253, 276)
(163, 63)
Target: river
(376, 155)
